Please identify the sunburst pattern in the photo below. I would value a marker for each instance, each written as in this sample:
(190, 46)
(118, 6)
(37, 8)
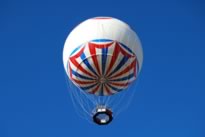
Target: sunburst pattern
(102, 67)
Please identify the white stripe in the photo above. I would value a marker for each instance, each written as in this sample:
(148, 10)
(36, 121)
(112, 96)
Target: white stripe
(91, 89)
(105, 90)
(132, 79)
(99, 90)
(77, 51)
(89, 58)
(83, 85)
(101, 42)
(117, 61)
(127, 51)
(81, 79)
(99, 59)
(119, 87)
(109, 56)
(73, 67)
(128, 62)
(111, 90)
(123, 75)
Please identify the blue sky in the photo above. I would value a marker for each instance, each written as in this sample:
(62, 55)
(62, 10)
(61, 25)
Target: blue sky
(169, 102)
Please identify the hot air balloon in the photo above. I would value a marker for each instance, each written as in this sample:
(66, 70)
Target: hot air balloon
(102, 58)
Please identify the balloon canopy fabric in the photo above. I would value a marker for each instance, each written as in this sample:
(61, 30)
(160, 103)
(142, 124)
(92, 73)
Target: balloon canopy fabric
(102, 56)
(102, 67)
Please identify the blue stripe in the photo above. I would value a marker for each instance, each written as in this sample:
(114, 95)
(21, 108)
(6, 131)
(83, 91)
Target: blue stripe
(83, 57)
(104, 59)
(114, 88)
(124, 46)
(75, 50)
(80, 76)
(122, 62)
(101, 40)
(89, 87)
(101, 91)
(124, 78)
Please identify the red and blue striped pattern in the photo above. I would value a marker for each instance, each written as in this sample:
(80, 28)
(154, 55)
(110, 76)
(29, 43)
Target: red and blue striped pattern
(102, 67)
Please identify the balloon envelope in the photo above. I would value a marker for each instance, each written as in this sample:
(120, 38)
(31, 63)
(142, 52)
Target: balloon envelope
(102, 56)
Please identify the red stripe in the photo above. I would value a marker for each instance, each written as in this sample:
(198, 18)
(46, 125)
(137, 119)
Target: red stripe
(84, 82)
(78, 53)
(70, 70)
(94, 57)
(120, 84)
(114, 57)
(92, 47)
(107, 90)
(100, 18)
(116, 52)
(131, 66)
(81, 68)
(124, 52)
(95, 89)
(100, 46)
(73, 60)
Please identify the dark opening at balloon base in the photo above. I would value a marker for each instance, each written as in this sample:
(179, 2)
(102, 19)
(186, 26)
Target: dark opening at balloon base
(102, 116)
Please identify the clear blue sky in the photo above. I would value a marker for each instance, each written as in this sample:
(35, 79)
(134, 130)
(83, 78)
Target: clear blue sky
(34, 101)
